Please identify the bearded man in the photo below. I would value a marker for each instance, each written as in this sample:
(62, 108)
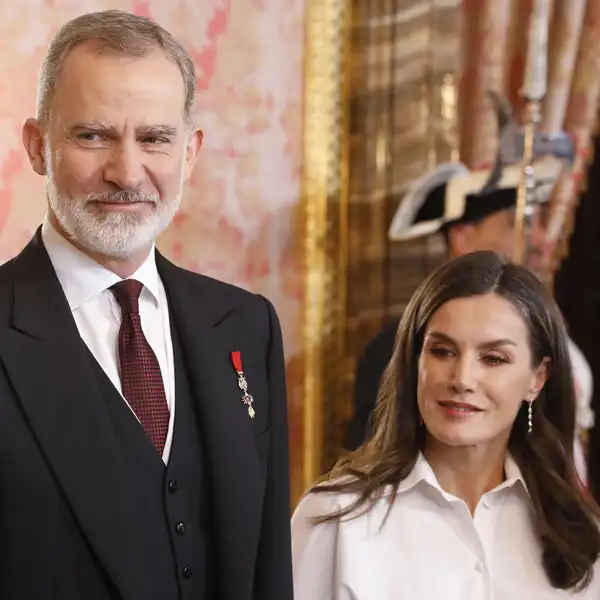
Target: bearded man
(143, 434)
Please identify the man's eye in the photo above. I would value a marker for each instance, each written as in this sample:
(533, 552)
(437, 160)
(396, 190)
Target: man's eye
(154, 141)
(88, 136)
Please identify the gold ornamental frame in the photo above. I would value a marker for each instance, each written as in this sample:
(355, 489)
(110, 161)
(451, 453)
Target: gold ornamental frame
(324, 205)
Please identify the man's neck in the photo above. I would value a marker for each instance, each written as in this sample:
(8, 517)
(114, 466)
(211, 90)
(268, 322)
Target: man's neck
(124, 268)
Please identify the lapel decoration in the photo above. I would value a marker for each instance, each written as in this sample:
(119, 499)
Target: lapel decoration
(247, 399)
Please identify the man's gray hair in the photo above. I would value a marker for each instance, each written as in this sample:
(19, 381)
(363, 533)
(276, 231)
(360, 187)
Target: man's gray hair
(111, 31)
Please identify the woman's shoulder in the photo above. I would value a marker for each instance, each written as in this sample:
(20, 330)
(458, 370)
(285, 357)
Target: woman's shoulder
(320, 500)
(315, 543)
(335, 496)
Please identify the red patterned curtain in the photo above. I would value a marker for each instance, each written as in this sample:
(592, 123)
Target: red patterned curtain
(494, 54)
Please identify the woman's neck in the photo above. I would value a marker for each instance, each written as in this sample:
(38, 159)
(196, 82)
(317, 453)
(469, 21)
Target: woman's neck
(466, 472)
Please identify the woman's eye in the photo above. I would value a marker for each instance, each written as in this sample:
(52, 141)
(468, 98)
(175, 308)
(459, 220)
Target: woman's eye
(494, 359)
(441, 351)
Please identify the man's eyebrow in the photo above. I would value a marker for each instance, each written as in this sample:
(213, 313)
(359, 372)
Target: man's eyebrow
(107, 129)
(95, 126)
(164, 130)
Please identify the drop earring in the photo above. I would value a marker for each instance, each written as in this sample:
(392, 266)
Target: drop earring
(530, 416)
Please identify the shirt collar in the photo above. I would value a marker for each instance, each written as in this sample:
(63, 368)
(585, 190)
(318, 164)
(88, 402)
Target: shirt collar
(82, 278)
(422, 472)
(513, 474)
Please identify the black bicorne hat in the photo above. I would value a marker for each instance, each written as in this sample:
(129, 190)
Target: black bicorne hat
(451, 194)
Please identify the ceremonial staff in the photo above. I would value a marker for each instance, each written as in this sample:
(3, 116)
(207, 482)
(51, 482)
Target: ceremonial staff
(533, 92)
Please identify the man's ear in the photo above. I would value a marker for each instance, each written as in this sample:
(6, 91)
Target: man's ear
(194, 143)
(33, 141)
(459, 239)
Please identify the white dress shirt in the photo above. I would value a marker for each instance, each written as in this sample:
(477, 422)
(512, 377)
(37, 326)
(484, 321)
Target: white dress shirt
(429, 548)
(98, 315)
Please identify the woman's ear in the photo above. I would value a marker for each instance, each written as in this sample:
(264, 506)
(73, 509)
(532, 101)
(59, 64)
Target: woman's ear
(540, 377)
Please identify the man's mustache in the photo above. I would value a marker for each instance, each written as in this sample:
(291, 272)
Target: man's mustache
(122, 197)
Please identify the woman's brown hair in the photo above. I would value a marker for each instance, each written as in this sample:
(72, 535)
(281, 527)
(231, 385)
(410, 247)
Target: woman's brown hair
(565, 518)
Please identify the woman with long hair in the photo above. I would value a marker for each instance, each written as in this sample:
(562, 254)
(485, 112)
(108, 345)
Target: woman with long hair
(468, 488)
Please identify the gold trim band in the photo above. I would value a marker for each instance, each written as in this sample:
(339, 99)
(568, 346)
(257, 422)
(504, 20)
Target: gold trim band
(324, 208)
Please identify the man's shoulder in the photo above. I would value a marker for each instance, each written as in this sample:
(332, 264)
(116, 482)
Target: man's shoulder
(7, 268)
(216, 289)
(218, 285)
(7, 274)
(32, 259)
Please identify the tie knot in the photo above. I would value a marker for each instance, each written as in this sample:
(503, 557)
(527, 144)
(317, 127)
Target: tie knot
(127, 293)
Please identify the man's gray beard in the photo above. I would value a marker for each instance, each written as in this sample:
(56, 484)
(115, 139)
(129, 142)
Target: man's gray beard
(112, 234)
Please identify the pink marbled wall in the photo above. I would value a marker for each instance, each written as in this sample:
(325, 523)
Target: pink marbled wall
(239, 218)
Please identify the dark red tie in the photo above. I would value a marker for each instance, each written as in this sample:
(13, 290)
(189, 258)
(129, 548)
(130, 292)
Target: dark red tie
(141, 379)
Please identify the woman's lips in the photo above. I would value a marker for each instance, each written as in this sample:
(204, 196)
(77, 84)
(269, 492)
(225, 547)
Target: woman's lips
(459, 409)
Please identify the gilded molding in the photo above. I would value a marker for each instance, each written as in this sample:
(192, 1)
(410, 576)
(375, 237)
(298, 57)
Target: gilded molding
(324, 212)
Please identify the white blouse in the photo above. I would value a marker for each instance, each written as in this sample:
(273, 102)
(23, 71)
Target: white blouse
(430, 547)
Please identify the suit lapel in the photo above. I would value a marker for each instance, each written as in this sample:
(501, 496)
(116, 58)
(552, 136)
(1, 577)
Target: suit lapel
(235, 475)
(49, 368)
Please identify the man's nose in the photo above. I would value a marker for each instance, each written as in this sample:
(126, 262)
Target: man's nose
(125, 167)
